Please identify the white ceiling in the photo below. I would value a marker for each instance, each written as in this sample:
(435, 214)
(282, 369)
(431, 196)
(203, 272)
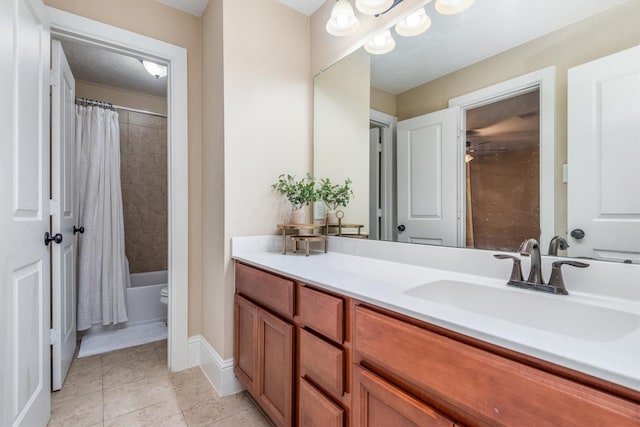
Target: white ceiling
(486, 29)
(194, 7)
(102, 66)
(306, 7)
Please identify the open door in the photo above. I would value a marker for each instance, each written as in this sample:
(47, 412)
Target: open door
(25, 365)
(428, 166)
(604, 150)
(63, 219)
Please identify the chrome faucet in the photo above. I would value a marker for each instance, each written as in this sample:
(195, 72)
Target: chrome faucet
(531, 247)
(557, 243)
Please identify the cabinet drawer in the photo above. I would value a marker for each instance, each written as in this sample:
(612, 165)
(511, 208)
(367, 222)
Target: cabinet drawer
(378, 403)
(478, 385)
(265, 288)
(321, 312)
(322, 362)
(316, 410)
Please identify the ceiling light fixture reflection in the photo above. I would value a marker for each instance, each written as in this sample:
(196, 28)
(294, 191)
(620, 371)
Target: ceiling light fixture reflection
(343, 21)
(156, 70)
(380, 43)
(451, 7)
(373, 7)
(416, 23)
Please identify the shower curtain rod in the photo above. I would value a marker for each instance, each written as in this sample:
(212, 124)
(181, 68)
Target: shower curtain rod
(116, 107)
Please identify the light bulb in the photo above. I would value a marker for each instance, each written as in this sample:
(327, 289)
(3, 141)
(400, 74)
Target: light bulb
(450, 7)
(380, 43)
(416, 23)
(373, 7)
(156, 70)
(343, 21)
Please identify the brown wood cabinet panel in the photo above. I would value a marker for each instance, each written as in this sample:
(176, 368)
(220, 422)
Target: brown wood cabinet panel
(377, 403)
(322, 362)
(274, 385)
(478, 387)
(316, 410)
(265, 288)
(321, 312)
(245, 349)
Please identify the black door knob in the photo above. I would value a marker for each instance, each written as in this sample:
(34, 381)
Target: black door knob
(78, 230)
(577, 233)
(401, 228)
(49, 238)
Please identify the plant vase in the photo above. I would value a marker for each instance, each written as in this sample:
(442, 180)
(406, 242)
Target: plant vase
(331, 217)
(298, 216)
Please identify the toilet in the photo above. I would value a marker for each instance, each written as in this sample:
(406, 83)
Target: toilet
(164, 295)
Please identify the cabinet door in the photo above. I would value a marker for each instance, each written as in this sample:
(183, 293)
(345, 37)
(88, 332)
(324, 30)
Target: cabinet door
(274, 388)
(377, 403)
(245, 350)
(317, 410)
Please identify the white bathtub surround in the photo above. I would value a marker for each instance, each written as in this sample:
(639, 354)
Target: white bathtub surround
(131, 336)
(218, 371)
(381, 273)
(142, 301)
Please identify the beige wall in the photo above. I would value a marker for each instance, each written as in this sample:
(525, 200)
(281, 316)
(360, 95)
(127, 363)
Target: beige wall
(153, 19)
(383, 101)
(604, 34)
(341, 130)
(122, 97)
(266, 91)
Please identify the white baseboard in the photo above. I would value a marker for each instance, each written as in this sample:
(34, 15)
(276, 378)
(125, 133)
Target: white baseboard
(219, 372)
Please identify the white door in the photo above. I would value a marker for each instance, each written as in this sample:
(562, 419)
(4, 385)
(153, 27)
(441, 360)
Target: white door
(25, 365)
(63, 259)
(603, 152)
(428, 169)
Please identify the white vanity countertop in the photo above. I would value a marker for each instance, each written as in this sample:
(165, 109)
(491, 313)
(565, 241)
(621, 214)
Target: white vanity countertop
(380, 282)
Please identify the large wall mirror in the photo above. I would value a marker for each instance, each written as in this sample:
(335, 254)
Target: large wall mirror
(462, 136)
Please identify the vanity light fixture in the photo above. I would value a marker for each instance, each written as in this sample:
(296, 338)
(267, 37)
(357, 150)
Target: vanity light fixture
(380, 43)
(343, 21)
(451, 7)
(156, 70)
(416, 23)
(373, 7)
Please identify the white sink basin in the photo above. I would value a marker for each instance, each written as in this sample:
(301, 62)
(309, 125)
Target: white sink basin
(555, 313)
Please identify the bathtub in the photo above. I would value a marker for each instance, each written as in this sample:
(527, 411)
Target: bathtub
(143, 298)
(142, 302)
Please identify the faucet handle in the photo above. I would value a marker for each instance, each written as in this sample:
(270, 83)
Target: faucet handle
(556, 280)
(516, 271)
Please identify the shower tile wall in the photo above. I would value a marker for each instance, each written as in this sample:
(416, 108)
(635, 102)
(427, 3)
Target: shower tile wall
(143, 164)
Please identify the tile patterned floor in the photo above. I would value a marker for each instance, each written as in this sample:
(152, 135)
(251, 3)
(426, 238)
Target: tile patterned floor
(132, 387)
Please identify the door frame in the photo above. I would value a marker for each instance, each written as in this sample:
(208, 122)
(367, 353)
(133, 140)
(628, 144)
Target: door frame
(389, 125)
(545, 80)
(69, 25)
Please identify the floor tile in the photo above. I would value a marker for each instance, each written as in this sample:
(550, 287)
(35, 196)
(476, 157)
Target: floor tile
(202, 413)
(126, 355)
(159, 414)
(137, 369)
(137, 395)
(251, 417)
(82, 411)
(191, 386)
(132, 387)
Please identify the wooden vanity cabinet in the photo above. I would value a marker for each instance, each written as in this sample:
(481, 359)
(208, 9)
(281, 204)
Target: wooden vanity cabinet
(465, 383)
(264, 355)
(323, 358)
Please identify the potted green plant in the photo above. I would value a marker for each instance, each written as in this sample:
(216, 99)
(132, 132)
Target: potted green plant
(334, 196)
(300, 193)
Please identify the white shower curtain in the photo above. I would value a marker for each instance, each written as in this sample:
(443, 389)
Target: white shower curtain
(103, 269)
